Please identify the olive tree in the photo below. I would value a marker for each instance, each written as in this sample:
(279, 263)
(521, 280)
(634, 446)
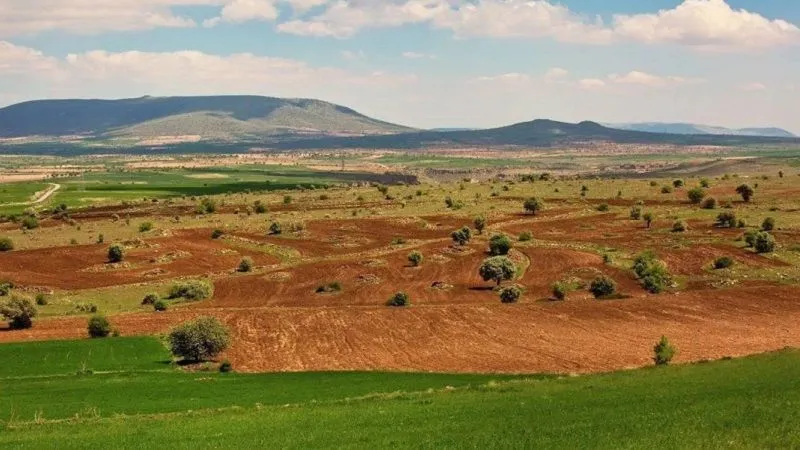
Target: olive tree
(462, 236)
(116, 253)
(533, 205)
(497, 269)
(500, 245)
(745, 191)
(19, 312)
(199, 339)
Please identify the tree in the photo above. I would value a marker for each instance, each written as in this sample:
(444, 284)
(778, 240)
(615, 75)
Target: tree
(533, 205)
(116, 253)
(677, 184)
(6, 244)
(150, 299)
(399, 300)
(704, 183)
(652, 273)
(245, 265)
(663, 352)
(768, 224)
(745, 191)
(216, 234)
(192, 290)
(723, 262)
(480, 224)
(709, 203)
(636, 213)
(560, 290)
(98, 327)
(415, 258)
(603, 287)
(696, 195)
(30, 223)
(500, 244)
(199, 339)
(510, 294)
(259, 207)
(462, 236)
(764, 242)
(497, 269)
(648, 219)
(19, 312)
(207, 206)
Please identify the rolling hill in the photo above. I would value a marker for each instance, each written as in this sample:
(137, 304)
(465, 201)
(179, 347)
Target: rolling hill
(691, 128)
(216, 117)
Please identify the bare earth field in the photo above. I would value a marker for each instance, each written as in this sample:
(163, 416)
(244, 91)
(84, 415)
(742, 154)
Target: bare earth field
(456, 322)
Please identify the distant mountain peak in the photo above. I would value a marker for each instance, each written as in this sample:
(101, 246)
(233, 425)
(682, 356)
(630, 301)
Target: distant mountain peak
(691, 128)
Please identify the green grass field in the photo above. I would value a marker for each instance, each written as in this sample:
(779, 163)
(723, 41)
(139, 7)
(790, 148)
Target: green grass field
(745, 403)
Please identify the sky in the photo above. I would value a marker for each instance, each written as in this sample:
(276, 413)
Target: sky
(423, 63)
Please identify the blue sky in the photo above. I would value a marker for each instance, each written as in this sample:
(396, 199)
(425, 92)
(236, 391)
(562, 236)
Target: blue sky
(425, 63)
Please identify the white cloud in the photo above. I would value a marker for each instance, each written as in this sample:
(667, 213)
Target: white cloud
(591, 83)
(707, 24)
(353, 56)
(418, 55)
(238, 11)
(555, 74)
(134, 73)
(702, 24)
(511, 77)
(754, 86)
(636, 77)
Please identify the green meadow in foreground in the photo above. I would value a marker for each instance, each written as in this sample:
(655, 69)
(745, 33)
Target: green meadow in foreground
(744, 403)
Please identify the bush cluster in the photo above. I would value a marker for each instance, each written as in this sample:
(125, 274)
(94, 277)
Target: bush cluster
(199, 339)
(192, 290)
(652, 273)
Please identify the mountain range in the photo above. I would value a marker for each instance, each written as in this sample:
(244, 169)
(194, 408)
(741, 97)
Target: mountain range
(217, 117)
(692, 128)
(237, 123)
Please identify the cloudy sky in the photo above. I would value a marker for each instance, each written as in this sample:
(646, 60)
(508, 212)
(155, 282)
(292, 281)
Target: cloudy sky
(425, 63)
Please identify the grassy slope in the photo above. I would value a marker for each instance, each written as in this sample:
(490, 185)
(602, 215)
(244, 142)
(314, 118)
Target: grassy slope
(740, 403)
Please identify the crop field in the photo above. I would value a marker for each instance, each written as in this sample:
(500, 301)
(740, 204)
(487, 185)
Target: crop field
(145, 402)
(320, 359)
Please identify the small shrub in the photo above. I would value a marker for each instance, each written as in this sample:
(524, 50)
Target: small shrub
(723, 262)
(636, 213)
(116, 253)
(709, 203)
(399, 300)
(603, 287)
(275, 228)
(334, 286)
(287, 199)
(663, 352)
(41, 299)
(679, 226)
(199, 339)
(696, 195)
(144, 227)
(726, 219)
(603, 207)
(6, 244)
(652, 273)
(192, 290)
(525, 236)
(150, 299)
(226, 367)
(678, 184)
(216, 234)
(98, 327)
(666, 190)
(30, 223)
(479, 223)
(19, 312)
(207, 206)
(648, 219)
(461, 236)
(415, 258)
(399, 241)
(768, 224)
(245, 265)
(259, 207)
(100, 238)
(704, 183)
(499, 245)
(764, 243)
(510, 294)
(560, 291)
(160, 305)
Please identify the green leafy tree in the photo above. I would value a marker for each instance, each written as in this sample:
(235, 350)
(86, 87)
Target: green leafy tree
(6, 244)
(199, 339)
(510, 294)
(696, 195)
(764, 242)
(461, 236)
(603, 287)
(726, 219)
(245, 265)
(19, 312)
(500, 244)
(533, 205)
(497, 269)
(768, 224)
(746, 192)
(399, 300)
(275, 228)
(648, 219)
